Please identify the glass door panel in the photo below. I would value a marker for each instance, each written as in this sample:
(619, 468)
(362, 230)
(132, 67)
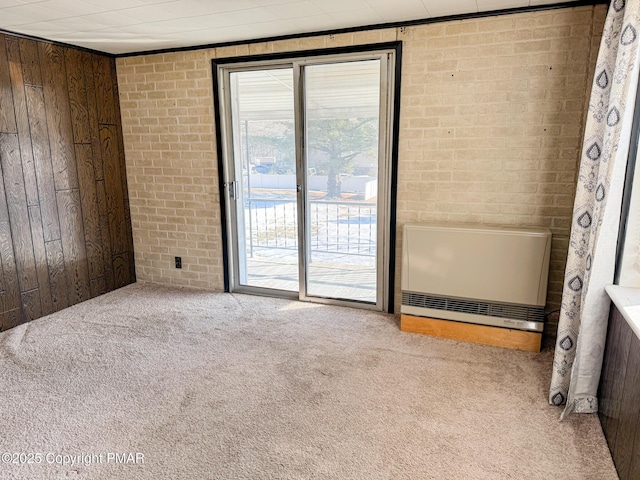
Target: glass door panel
(342, 124)
(264, 163)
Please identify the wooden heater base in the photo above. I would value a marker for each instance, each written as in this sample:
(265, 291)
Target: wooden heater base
(469, 332)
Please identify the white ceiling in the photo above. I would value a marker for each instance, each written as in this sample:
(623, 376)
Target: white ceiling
(124, 26)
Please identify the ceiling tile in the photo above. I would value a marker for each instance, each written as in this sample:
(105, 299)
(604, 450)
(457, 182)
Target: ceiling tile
(242, 17)
(7, 3)
(13, 3)
(356, 18)
(335, 6)
(407, 10)
(46, 29)
(219, 6)
(315, 23)
(111, 5)
(78, 24)
(120, 42)
(257, 30)
(154, 13)
(155, 29)
(70, 8)
(158, 2)
(439, 8)
(111, 19)
(268, 3)
(11, 19)
(97, 36)
(115, 4)
(34, 12)
(487, 5)
(251, 16)
(295, 10)
(118, 26)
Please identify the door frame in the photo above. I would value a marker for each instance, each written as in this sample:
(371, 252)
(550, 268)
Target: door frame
(386, 202)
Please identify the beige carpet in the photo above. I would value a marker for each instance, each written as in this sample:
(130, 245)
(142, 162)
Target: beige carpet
(220, 386)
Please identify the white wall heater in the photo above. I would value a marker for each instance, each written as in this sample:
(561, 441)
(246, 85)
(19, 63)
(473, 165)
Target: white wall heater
(476, 274)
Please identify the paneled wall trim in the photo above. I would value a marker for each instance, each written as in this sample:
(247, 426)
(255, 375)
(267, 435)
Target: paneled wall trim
(619, 395)
(65, 229)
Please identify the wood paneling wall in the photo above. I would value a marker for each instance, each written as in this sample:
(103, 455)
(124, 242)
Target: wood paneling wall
(65, 227)
(619, 396)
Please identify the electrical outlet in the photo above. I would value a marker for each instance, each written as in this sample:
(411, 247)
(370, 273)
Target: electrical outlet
(178, 262)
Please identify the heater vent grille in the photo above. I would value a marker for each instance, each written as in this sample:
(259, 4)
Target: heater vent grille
(474, 307)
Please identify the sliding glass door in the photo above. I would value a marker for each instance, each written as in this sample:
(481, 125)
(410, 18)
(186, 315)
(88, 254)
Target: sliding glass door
(264, 172)
(342, 121)
(307, 174)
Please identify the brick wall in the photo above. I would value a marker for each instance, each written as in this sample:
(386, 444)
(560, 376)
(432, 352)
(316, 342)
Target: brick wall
(167, 114)
(491, 119)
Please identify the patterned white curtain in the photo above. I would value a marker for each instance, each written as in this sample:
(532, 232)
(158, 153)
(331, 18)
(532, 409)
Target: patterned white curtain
(590, 267)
